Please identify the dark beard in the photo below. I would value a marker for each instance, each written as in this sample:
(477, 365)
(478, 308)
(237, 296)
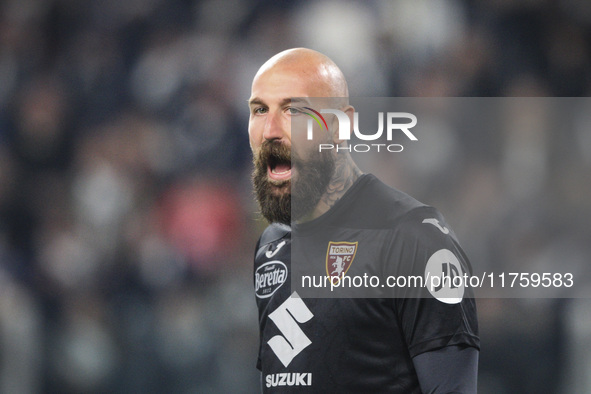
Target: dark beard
(275, 198)
(310, 185)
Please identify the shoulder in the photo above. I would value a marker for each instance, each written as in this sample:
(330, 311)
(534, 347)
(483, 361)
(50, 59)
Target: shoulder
(424, 244)
(424, 231)
(275, 242)
(427, 225)
(377, 205)
(274, 232)
(373, 205)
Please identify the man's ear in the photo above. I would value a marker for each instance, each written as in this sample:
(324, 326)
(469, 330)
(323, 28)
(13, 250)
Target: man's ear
(349, 111)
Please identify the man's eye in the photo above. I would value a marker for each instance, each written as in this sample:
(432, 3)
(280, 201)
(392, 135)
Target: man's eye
(294, 111)
(259, 110)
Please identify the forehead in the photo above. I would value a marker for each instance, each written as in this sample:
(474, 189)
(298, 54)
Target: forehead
(278, 83)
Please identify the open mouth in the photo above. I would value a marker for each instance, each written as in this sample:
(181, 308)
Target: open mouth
(279, 169)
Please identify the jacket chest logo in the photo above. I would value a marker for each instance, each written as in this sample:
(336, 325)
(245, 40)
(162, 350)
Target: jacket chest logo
(339, 257)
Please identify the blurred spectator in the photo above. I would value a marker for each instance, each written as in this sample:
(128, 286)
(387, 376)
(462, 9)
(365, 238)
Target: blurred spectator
(126, 218)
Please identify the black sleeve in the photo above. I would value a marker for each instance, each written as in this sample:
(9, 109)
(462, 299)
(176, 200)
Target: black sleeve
(451, 369)
(431, 317)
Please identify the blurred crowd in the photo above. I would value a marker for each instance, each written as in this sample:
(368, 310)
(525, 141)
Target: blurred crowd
(127, 221)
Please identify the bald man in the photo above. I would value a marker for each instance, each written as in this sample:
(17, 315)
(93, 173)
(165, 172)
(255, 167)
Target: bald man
(363, 345)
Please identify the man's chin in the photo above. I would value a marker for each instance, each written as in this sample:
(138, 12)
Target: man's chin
(277, 209)
(279, 188)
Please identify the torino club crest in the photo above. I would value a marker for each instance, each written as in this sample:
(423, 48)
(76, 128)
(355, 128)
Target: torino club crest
(339, 258)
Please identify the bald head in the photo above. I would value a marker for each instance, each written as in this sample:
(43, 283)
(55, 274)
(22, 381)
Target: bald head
(316, 68)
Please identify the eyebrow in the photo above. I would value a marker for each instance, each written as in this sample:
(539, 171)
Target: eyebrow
(258, 101)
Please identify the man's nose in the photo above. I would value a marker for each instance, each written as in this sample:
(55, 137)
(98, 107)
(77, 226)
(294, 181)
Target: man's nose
(274, 128)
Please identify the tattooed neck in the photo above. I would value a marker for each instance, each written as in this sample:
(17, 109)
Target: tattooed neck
(345, 174)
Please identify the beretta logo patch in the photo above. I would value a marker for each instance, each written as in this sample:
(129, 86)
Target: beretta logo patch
(269, 277)
(339, 258)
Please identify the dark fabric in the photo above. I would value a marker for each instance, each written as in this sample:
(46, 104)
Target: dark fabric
(357, 344)
(452, 369)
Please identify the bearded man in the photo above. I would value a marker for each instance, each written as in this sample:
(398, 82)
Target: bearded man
(397, 345)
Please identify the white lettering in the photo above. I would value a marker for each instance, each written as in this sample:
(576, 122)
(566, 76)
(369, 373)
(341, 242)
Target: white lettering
(357, 148)
(344, 123)
(398, 145)
(345, 126)
(371, 137)
(272, 278)
(301, 380)
(288, 379)
(342, 249)
(361, 148)
(404, 127)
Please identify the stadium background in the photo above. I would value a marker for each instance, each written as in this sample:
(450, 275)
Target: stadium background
(127, 223)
